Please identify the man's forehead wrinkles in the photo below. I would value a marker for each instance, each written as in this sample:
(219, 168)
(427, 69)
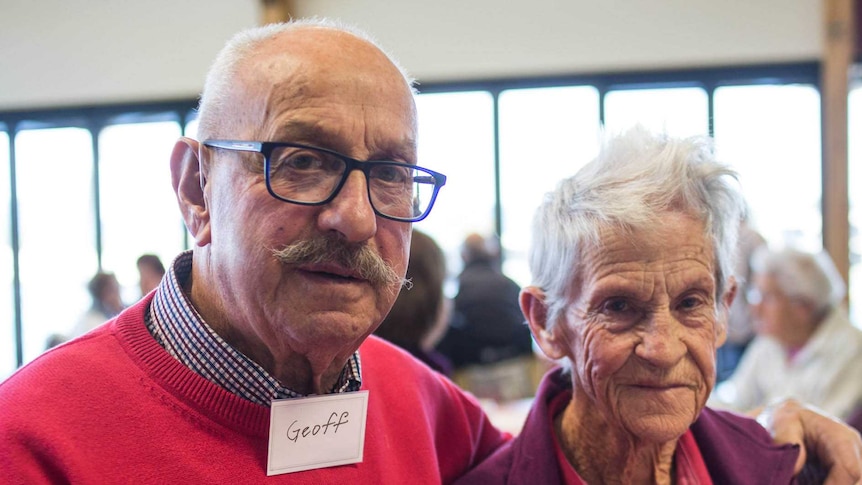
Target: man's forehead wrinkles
(319, 132)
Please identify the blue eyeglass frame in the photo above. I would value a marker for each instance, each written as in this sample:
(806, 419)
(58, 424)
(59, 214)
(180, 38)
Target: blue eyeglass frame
(351, 164)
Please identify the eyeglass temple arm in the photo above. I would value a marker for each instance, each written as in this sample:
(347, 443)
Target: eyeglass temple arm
(246, 146)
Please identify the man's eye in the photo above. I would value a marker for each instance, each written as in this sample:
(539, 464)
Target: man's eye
(302, 162)
(390, 174)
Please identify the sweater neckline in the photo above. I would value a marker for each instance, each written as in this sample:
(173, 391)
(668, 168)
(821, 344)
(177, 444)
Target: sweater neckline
(204, 397)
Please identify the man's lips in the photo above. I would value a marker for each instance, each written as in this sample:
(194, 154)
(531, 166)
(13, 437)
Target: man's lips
(329, 269)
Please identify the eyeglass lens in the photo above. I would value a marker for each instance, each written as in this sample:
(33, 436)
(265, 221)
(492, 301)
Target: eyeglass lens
(311, 176)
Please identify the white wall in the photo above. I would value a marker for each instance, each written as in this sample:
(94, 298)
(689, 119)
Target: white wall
(72, 52)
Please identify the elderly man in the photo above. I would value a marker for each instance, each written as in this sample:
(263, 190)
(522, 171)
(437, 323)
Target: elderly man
(300, 250)
(806, 348)
(299, 200)
(646, 233)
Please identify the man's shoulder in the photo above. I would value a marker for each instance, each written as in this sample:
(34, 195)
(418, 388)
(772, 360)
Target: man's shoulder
(387, 368)
(91, 357)
(378, 354)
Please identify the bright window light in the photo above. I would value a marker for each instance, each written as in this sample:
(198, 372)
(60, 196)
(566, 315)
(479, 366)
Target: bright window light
(138, 206)
(56, 220)
(854, 181)
(456, 138)
(771, 136)
(675, 111)
(546, 134)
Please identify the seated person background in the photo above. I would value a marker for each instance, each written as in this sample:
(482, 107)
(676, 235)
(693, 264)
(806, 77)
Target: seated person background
(150, 270)
(487, 325)
(106, 303)
(806, 347)
(418, 318)
(740, 328)
(646, 233)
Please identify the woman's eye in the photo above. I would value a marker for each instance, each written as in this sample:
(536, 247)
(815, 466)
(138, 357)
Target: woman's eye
(689, 302)
(617, 305)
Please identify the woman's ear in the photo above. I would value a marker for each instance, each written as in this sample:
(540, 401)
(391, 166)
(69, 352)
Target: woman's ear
(189, 182)
(533, 306)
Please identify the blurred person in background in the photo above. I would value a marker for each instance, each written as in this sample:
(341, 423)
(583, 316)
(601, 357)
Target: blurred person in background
(150, 271)
(487, 325)
(107, 303)
(740, 328)
(418, 319)
(806, 348)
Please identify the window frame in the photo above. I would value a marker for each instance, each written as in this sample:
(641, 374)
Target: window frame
(94, 118)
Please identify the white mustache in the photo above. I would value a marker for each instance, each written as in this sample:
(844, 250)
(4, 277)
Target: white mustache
(360, 258)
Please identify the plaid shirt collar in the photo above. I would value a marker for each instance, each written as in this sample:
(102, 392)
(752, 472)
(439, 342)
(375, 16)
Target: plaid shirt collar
(180, 329)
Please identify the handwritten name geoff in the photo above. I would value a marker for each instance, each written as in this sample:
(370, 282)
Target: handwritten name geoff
(296, 431)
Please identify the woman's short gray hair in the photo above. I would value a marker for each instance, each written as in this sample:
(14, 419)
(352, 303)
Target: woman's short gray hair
(213, 110)
(637, 177)
(801, 275)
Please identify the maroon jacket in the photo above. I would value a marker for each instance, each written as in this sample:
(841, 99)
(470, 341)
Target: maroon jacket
(735, 449)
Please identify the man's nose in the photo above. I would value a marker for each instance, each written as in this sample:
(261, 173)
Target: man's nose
(350, 212)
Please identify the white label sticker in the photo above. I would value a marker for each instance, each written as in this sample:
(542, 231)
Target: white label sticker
(316, 432)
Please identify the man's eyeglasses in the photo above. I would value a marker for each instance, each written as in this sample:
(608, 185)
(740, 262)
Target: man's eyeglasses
(307, 175)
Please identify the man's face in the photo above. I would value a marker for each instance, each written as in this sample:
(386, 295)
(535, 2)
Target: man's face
(349, 99)
(641, 332)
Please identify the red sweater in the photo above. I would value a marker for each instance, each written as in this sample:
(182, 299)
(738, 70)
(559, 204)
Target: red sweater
(114, 407)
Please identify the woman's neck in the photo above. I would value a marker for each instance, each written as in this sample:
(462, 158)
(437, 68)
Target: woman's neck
(601, 453)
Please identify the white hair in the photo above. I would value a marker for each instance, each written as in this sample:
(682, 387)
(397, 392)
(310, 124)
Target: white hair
(637, 177)
(213, 109)
(811, 277)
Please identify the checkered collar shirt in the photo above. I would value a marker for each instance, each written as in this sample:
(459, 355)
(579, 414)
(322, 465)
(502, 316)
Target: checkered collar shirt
(180, 329)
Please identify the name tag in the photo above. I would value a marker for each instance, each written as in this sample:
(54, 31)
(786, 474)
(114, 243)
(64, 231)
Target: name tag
(316, 432)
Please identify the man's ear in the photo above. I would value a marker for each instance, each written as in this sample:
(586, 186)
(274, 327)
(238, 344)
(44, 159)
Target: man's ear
(533, 306)
(723, 317)
(189, 184)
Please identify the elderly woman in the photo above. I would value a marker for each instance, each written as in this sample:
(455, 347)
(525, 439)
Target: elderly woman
(631, 262)
(805, 347)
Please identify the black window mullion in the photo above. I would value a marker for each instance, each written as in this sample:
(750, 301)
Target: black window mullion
(15, 242)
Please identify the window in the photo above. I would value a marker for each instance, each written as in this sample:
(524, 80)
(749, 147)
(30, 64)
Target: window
(7, 273)
(457, 139)
(675, 111)
(546, 134)
(502, 144)
(771, 136)
(139, 212)
(56, 227)
(854, 180)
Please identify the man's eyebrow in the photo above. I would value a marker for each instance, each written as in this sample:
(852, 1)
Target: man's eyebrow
(299, 131)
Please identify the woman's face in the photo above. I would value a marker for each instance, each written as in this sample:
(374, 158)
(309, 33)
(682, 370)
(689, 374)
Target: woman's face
(642, 329)
(777, 315)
